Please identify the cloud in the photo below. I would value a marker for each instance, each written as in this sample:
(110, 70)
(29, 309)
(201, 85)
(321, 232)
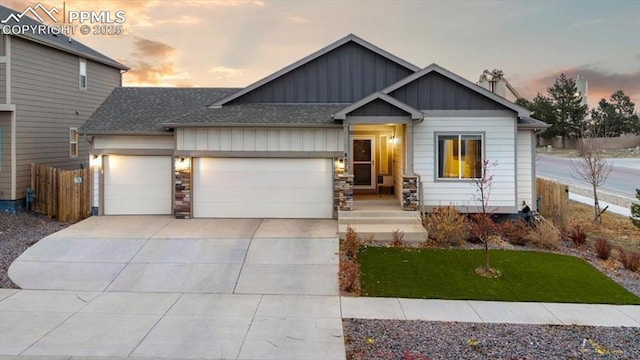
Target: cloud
(298, 20)
(218, 3)
(150, 48)
(181, 20)
(600, 84)
(154, 64)
(144, 73)
(586, 23)
(224, 73)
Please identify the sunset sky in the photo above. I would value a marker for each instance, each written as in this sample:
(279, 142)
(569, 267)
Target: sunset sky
(235, 43)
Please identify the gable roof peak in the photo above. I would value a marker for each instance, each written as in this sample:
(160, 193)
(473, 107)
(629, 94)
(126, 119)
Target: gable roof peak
(460, 80)
(336, 44)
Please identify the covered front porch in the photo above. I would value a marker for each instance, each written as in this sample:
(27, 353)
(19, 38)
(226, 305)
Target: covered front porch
(378, 168)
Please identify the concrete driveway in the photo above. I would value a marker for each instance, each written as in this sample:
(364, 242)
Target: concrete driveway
(160, 287)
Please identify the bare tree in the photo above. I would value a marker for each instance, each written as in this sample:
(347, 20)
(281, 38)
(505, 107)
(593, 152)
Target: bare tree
(591, 165)
(482, 224)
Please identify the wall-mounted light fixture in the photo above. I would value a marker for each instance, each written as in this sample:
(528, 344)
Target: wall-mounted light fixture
(95, 161)
(393, 140)
(182, 163)
(340, 164)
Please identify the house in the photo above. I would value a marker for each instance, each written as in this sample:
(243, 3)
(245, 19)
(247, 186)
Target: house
(350, 118)
(49, 86)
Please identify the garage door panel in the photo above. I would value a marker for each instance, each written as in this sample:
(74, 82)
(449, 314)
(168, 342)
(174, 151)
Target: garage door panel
(247, 194)
(137, 185)
(285, 188)
(258, 209)
(247, 179)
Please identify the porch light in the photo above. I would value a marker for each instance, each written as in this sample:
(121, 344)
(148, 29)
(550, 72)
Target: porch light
(394, 140)
(95, 161)
(182, 163)
(340, 164)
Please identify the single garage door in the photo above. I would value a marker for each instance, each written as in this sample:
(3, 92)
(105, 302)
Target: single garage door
(137, 185)
(262, 188)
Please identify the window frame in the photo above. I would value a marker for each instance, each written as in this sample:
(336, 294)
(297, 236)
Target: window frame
(82, 73)
(460, 135)
(74, 138)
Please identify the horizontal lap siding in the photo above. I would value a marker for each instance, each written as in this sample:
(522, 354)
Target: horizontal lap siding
(260, 139)
(499, 145)
(45, 90)
(525, 167)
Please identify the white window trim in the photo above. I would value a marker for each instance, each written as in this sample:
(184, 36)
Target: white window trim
(437, 152)
(73, 140)
(82, 71)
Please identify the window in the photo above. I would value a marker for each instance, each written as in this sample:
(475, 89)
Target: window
(460, 156)
(73, 142)
(83, 74)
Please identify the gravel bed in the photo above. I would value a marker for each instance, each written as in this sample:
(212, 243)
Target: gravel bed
(421, 340)
(18, 231)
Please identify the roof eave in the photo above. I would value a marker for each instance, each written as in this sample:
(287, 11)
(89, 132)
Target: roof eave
(415, 113)
(279, 125)
(122, 132)
(113, 63)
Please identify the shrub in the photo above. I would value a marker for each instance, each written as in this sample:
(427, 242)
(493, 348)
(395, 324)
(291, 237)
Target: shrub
(351, 243)
(446, 225)
(482, 227)
(398, 236)
(577, 236)
(629, 259)
(545, 235)
(603, 248)
(514, 231)
(349, 276)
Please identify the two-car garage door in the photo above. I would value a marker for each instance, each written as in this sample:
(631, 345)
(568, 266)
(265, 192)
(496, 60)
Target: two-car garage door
(258, 187)
(222, 187)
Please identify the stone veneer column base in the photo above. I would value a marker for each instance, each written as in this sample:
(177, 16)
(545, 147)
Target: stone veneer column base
(409, 192)
(182, 201)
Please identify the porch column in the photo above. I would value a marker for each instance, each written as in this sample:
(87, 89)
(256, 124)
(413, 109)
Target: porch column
(408, 155)
(347, 147)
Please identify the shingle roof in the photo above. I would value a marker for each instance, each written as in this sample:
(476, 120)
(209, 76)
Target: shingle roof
(146, 109)
(262, 114)
(59, 41)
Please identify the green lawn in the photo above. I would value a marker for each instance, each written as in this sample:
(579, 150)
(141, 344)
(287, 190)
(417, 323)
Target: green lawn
(449, 274)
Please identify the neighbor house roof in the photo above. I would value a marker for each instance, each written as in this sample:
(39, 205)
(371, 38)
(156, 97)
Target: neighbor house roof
(460, 80)
(146, 109)
(261, 114)
(315, 55)
(58, 41)
(525, 122)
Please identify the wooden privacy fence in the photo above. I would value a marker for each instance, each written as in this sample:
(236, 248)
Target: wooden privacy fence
(63, 194)
(554, 201)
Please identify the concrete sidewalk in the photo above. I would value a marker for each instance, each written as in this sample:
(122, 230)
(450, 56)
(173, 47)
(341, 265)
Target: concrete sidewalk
(491, 311)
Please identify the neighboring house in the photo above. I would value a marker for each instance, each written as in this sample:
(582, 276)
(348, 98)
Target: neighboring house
(348, 118)
(49, 85)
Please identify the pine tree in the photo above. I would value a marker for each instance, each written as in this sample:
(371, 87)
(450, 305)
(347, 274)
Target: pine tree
(568, 109)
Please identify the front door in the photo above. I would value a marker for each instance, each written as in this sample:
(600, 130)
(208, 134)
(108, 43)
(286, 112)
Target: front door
(363, 165)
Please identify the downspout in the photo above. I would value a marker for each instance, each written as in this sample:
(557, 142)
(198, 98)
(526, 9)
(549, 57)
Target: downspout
(412, 173)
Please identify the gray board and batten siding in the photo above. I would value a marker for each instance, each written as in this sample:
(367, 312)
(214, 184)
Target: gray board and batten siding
(344, 75)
